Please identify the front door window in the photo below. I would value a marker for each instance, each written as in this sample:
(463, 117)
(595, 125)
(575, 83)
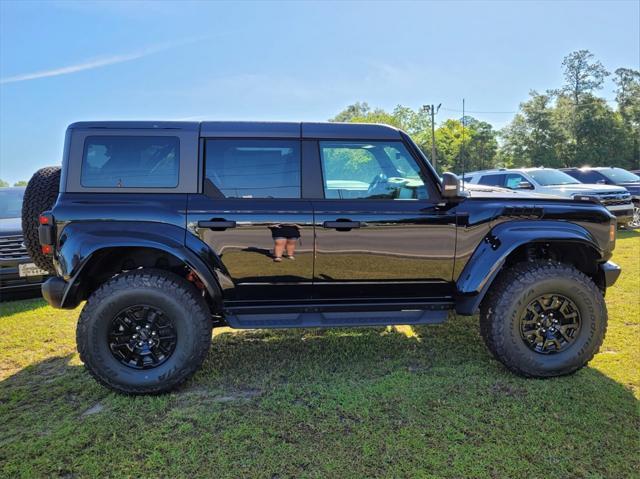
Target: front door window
(370, 170)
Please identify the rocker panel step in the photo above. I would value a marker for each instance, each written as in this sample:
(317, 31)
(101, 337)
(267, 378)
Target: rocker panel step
(334, 319)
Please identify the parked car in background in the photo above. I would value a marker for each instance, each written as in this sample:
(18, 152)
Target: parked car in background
(17, 271)
(555, 182)
(612, 176)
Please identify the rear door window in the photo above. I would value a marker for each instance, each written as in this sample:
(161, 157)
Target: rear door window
(252, 168)
(492, 180)
(131, 162)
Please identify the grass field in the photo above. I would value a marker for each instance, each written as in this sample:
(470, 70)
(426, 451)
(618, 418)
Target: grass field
(397, 402)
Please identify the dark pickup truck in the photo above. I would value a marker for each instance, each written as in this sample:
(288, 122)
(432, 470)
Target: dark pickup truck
(168, 229)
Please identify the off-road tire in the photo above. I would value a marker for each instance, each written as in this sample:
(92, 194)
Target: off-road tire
(158, 288)
(509, 296)
(40, 195)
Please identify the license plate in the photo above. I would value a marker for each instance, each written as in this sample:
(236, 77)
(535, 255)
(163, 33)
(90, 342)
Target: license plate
(30, 269)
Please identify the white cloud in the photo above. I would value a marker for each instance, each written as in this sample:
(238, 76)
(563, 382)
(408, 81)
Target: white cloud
(95, 63)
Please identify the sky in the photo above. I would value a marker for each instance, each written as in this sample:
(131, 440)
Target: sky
(67, 61)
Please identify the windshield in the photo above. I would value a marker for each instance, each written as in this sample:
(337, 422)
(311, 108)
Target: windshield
(618, 175)
(11, 202)
(552, 177)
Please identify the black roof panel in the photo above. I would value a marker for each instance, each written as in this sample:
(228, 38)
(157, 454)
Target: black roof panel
(136, 125)
(257, 129)
(350, 131)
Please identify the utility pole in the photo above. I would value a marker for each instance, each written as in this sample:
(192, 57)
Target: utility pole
(433, 110)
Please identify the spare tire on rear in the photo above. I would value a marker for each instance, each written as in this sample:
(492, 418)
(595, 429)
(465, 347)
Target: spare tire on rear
(40, 195)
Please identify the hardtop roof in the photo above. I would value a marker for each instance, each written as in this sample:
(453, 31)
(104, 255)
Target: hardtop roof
(256, 129)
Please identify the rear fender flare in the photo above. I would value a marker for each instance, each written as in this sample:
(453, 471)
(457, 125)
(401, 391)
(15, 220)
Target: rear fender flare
(79, 242)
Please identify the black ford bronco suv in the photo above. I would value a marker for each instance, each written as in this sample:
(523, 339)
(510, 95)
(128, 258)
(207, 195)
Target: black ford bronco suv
(169, 229)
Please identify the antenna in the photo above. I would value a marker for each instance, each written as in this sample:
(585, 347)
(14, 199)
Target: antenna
(462, 152)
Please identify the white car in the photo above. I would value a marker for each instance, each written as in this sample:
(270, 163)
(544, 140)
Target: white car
(554, 182)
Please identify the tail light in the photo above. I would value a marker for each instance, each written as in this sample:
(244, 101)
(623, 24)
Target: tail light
(46, 234)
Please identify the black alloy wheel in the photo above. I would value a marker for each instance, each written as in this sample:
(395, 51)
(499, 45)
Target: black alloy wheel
(550, 323)
(142, 337)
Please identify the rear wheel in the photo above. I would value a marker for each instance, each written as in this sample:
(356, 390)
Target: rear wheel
(145, 331)
(40, 195)
(543, 319)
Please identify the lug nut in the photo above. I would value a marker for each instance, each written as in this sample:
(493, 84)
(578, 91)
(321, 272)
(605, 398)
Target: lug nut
(140, 343)
(138, 328)
(135, 336)
(153, 333)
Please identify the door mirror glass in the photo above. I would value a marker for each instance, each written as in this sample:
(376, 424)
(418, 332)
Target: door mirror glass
(450, 185)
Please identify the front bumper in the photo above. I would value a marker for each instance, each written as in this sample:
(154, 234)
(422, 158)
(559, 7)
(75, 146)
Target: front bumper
(621, 211)
(610, 273)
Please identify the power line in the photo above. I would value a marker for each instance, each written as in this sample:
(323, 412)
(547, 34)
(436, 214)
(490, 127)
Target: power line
(509, 112)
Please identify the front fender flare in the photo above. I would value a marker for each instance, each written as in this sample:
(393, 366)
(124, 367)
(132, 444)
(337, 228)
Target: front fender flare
(491, 254)
(80, 241)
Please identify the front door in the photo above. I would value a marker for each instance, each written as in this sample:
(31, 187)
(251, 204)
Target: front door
(252, 217)
(380, 233)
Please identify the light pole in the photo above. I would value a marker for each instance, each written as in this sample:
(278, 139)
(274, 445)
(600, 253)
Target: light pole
(433, 110)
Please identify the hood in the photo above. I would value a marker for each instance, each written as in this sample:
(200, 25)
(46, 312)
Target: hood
(632, 187)
(587, 188)
(10, 226)
(485, 191)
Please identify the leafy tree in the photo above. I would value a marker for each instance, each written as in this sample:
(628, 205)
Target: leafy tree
(20, 183)
(480, 139)
(3, 184)
(628, 99)
(582, 74)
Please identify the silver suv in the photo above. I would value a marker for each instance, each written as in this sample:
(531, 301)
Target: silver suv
(554, 182)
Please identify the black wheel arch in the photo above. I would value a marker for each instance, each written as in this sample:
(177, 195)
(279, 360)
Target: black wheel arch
(90, 254)
(511, 243)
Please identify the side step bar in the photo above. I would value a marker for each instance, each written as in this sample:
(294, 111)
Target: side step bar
(334, 319)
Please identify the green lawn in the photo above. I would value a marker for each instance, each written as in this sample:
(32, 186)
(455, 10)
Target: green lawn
(402, 402)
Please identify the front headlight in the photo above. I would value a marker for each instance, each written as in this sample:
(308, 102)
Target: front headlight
(586, 198)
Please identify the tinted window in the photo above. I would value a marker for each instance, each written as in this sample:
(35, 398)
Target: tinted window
(131, 161)
(586, 176)
(253, 168)
(492, 180)
(382, 170)
(618, 175)
(11, 202)
(552, 177)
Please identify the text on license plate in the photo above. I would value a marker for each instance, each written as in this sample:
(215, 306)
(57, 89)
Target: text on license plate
(30, 269)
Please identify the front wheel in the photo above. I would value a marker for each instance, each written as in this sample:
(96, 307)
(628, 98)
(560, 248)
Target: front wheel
(543, 319)
(635, 220)
(145, 331)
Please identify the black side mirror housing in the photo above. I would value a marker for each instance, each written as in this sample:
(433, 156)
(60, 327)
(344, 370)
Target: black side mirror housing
(450, 186)
(525, 185)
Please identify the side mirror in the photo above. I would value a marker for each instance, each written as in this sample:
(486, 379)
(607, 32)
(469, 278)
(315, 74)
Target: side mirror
(450, 186)
(525, 185)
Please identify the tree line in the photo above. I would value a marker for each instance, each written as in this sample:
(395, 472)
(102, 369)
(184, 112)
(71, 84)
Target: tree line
(4, 184)
(567, 126)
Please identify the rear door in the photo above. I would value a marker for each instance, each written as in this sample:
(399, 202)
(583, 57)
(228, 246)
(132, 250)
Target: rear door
(380, 231)
(251, 199)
